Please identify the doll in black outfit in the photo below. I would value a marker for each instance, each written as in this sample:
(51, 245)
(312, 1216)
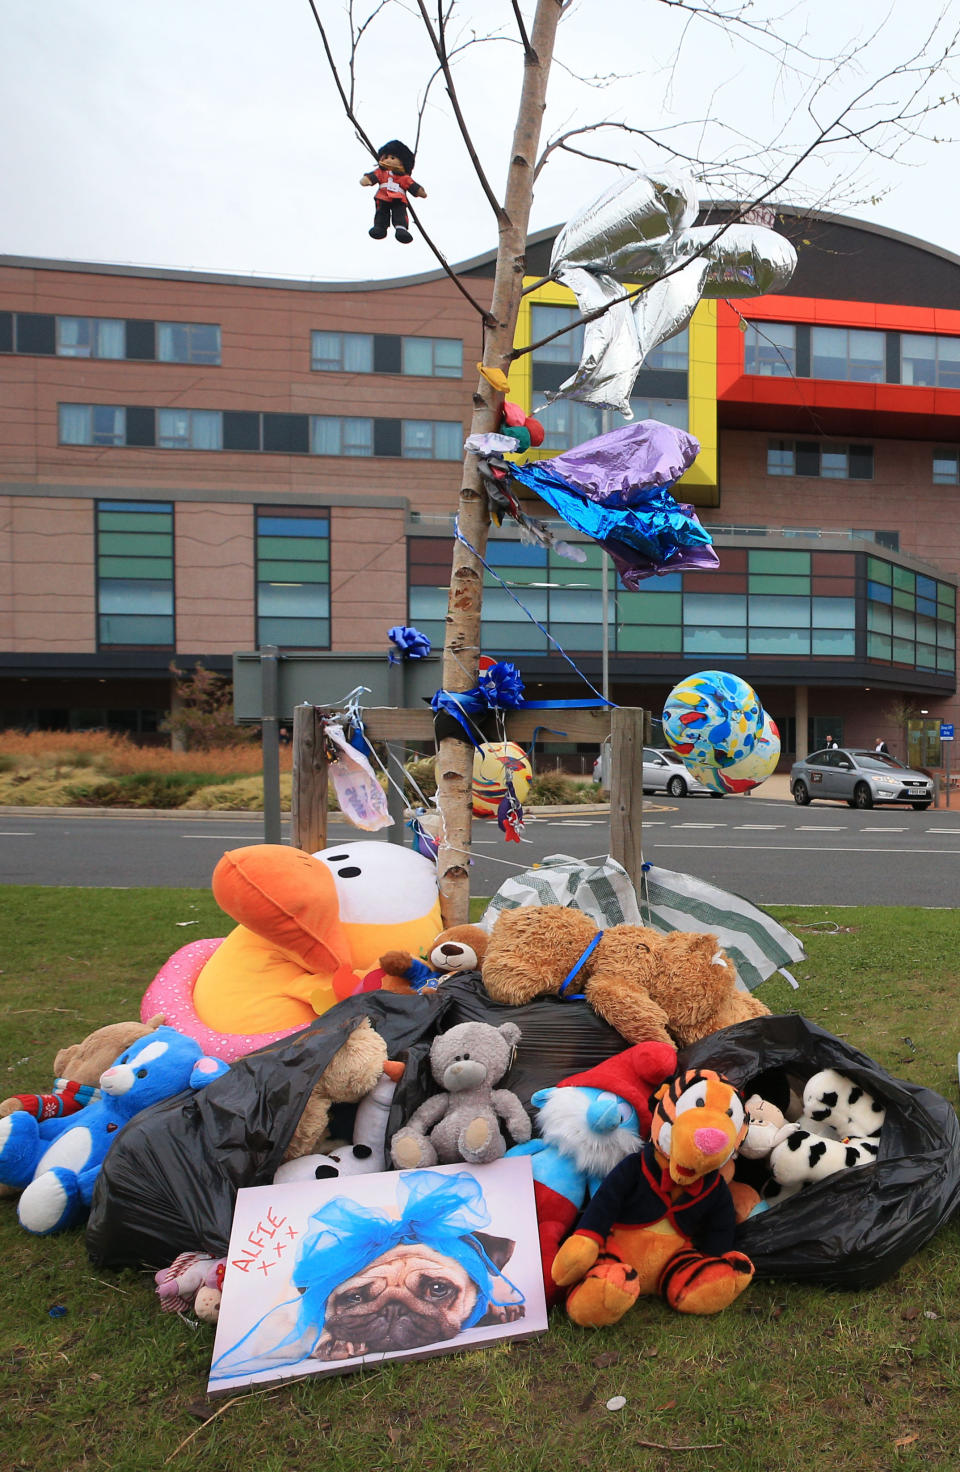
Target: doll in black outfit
(393, 181)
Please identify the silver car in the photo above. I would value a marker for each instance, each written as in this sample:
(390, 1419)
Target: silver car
(664, 771)
(858, 778)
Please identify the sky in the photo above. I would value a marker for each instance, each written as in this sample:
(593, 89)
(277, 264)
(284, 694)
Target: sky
(208, 134)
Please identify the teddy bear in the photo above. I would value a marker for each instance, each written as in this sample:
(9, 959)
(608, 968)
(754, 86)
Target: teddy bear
(458, 948)
(462, 1122)
(585, 1126)
(367, 1153)
(77, 1069)
(352, 1073)
(673, 988)
(664, 1220)
(56, 1163)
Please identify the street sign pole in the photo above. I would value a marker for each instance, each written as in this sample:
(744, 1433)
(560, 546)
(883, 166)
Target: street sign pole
(946, 740)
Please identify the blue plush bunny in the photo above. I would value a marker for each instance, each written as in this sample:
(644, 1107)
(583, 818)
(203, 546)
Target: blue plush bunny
(56, 1163)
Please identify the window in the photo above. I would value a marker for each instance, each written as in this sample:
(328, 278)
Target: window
(770, 348)
(946, 468)
(830, 462)
(340, 436)
(432, 439)
(190, 429)
(848, 352)
(135, 573)
(188, 342)
(671, 356)
(668, 411)
(92, 424)
(928, 360)
(344, 352)
(293, 578)
(91, 337)
(565, 349)
(432, 357)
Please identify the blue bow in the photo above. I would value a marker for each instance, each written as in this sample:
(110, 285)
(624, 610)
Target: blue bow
(499, 688)
(409, 643)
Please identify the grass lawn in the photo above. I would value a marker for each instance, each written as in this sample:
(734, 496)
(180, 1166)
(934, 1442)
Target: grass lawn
(790, 1376)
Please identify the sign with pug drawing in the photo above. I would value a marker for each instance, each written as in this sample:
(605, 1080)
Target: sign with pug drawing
(323, 1276)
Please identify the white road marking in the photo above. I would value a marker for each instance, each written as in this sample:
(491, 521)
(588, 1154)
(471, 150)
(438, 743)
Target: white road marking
(758, 827)
(699, 825)
(784, 848)
(232, 836)
(822, 827)
(15, 833)
(942, 830)
(573, 823)
(884, 829)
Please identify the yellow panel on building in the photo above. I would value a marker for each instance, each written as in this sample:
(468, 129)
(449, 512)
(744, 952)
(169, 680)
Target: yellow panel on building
(700, 484)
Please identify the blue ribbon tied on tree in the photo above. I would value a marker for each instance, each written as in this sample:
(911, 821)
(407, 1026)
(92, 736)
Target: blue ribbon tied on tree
(499, 687)
(408, 642)
(436, 1210)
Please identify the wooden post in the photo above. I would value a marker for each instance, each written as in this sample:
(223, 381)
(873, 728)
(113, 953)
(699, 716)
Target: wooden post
(626, 790)
(270, 742)
(308, 808)
(396, 802)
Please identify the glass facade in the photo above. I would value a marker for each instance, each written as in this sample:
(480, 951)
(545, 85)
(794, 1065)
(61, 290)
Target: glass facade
(760, 603)
(293, 578)
(135, 574)
(911, 619)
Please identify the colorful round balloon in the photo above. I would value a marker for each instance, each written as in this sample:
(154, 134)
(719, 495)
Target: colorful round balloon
(712, 718)
(750, 771)
(492, 764)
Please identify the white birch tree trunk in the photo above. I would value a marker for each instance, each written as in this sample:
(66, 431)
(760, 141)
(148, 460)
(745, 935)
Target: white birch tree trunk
(462, 641)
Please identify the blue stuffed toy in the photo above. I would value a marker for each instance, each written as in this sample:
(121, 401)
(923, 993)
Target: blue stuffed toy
(56, 1164)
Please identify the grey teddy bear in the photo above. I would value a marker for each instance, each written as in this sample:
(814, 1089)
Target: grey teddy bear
(462, 1122)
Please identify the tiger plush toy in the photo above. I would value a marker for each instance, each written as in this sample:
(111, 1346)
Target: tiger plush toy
(663, 1220)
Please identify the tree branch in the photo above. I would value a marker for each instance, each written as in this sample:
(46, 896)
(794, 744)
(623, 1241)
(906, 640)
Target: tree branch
(438, 41)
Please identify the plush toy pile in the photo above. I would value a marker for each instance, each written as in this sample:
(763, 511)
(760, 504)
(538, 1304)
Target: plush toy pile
(643, 1169)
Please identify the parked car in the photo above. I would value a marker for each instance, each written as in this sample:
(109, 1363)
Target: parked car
(664, 771)
(858, 778)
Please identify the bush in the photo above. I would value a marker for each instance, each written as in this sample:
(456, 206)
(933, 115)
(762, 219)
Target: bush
(245, 795)
(423, 770)
(138, 790)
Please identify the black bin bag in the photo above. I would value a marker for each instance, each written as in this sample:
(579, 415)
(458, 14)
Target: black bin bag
(169, 1182)
(855, 1228)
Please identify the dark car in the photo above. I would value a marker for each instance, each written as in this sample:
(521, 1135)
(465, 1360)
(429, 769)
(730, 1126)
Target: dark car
(858, 778)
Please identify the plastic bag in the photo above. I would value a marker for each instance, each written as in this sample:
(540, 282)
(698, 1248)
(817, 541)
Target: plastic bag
(169, 1182)
(856, 1228)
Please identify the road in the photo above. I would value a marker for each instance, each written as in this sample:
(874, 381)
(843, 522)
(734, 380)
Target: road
(770, 852)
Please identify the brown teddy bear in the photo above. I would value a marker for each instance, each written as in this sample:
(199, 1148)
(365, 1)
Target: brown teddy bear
(459, 948)
(353, 1071)
(650, 987)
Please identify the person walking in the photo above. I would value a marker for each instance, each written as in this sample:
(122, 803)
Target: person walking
(882, 746)
(830, 743)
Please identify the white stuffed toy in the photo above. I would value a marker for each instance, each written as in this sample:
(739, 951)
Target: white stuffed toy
(800, 1158)
(836, 1107)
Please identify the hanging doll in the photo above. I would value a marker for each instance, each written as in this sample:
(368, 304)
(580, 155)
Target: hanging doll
(392, 177)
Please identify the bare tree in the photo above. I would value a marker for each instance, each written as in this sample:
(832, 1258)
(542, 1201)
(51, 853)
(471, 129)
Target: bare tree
(874, 119)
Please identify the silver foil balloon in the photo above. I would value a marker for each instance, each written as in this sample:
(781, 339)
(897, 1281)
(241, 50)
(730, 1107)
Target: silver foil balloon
(637, 215)
(640, 232)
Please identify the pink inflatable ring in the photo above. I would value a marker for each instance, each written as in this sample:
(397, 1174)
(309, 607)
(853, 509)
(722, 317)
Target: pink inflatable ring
(171, 992)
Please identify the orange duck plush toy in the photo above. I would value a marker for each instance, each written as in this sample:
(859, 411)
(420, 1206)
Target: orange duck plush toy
(310, 928)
